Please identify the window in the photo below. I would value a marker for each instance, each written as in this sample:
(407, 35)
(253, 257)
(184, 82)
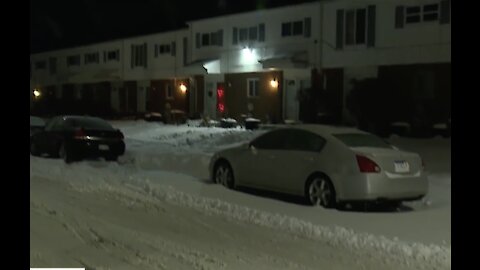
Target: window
(41, 65)
(205, 40)
(253, 87)
(297, 28)
(430, 12)
(73, 60)
(162, 49)
(208, 39)
(274, 140)
(252, 33)
(169, 91)
(91, 58)
(243, 34)
(113, 55)
(52, 65)
(425, 13)
(412, 15)
(301, 140)
(139, 55)
(286, 29)
(355, 26)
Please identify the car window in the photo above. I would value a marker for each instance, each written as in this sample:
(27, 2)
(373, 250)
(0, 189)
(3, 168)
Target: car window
(52, 123)
(88, 123)
(362, 140)
(302, 140)
(273, 140)
(36, 121)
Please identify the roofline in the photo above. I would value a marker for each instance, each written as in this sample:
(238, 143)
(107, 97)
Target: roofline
(112, 40)
(315, 2)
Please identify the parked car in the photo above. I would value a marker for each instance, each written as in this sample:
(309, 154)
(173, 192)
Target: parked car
(36, 124)
(76, 137)
(327, 165)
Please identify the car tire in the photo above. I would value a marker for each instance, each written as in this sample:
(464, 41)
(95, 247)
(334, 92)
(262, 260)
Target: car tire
(34, 149)
(223, 174)
(65, 154)
(319, 190)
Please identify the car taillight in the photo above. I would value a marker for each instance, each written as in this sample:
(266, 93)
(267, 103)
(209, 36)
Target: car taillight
(79, 134)
(367, 165)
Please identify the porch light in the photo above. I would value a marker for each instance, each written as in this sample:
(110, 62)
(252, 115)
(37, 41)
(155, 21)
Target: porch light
(183, 88)
(36, 93)
(274, 83)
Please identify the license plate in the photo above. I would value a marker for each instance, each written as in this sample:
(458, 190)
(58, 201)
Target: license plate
(103, 147)
(401, 166)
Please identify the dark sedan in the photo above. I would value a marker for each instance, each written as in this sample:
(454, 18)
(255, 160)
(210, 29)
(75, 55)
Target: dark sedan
(77, 137)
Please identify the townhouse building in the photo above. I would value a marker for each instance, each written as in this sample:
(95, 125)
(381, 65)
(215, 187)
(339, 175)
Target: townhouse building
(259, 63)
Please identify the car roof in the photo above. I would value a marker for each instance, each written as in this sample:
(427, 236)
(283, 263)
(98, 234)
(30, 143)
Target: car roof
(325, 129)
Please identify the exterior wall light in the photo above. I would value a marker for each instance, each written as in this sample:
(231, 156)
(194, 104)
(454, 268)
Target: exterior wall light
(274, 83)
(36, 93)
(183, 88)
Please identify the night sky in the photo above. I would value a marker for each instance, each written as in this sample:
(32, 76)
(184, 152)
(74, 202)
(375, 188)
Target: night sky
(62, 24)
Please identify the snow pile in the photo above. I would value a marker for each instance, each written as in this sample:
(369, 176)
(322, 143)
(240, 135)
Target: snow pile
(132, 187)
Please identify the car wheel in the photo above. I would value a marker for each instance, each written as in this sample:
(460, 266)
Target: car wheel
(34, 149)
(64, 153)
(224, 175)
(319, 191)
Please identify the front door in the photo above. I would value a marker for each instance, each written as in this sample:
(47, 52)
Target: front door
(291, 102)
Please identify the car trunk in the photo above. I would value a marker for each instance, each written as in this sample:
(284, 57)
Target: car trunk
(391, 160)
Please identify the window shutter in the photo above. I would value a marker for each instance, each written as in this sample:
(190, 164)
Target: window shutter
(235, 36)
(261, 32)
(174, 48)
(444, 11)
(399, 16)
(307, 27)
(339, 40)
(371, 14)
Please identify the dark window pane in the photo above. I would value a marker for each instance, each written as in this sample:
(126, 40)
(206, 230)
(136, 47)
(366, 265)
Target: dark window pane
(243, 34)
(298, 28)
(300, 140)
(286, 29)
(213, 38)
(350, 27)
(261, 32)
(413, 19)
(274, 140)
(429, 8)
(235, 35)
(430, 17)
(413, 10)
(361, 26)
(252, 33)
(205, 39)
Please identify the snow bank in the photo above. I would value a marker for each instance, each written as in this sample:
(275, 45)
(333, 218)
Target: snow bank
(131, 186)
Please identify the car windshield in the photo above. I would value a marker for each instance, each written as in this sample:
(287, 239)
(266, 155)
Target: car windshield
(36, 121)
(361, 140)
(88, 123)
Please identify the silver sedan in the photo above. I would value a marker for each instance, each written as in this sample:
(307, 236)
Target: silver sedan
(325, 164)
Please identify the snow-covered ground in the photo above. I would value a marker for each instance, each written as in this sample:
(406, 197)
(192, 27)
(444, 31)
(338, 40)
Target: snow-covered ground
(156, 209)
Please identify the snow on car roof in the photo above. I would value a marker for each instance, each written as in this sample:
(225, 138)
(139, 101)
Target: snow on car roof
(325, 129)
